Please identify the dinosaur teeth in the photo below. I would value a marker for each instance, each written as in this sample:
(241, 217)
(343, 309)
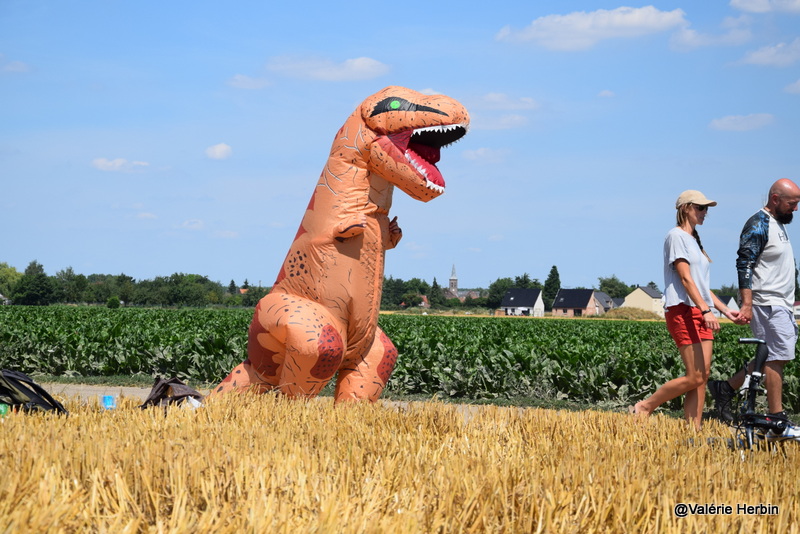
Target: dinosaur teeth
(437, 188)
(427, 170)
(439, 135)
(416, 164)
(438, 128)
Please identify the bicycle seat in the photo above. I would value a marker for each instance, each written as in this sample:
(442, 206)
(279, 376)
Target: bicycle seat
(752, 340)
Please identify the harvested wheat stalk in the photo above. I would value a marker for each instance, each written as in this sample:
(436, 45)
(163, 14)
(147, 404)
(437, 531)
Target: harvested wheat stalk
(267, 464)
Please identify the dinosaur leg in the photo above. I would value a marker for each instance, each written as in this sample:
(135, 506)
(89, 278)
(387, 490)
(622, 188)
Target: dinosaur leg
(293, 346)
(366, 378)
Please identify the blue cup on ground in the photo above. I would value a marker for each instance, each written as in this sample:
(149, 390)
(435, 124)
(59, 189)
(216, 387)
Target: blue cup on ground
(109, 402)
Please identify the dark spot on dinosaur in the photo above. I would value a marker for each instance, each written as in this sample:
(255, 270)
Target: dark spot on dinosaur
(330, 350)
(389, 359)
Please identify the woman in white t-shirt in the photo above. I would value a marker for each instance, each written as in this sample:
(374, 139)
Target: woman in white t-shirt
(688, 300)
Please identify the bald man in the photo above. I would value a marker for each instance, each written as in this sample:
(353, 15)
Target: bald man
(765, 267)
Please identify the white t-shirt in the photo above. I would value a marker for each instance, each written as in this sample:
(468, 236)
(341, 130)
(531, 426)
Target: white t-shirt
(680, 245)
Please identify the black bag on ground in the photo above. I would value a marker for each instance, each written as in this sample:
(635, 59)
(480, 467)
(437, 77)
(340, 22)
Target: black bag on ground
(170, 391)
(20, 392)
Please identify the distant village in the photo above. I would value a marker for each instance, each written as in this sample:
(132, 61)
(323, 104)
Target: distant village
(575, 302)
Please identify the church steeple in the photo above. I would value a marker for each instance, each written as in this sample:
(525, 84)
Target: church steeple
(454, 282)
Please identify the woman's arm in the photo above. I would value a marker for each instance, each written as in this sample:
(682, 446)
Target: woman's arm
(724, 310)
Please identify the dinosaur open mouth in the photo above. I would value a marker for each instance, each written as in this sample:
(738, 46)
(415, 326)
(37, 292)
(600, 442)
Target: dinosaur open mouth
(422, 148)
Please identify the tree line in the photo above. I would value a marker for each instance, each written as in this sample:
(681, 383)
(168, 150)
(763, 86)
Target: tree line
(35, 287)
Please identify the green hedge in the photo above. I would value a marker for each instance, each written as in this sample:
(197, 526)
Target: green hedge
(588, 361)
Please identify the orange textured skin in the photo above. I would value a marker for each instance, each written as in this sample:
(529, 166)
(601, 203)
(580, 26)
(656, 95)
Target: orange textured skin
(321, 316)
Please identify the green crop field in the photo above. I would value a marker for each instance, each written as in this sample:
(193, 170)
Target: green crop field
(603, 362)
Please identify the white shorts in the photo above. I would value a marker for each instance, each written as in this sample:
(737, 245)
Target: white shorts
(777, 326)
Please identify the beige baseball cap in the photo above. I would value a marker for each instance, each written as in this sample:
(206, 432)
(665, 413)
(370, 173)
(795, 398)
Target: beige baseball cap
(693, 197)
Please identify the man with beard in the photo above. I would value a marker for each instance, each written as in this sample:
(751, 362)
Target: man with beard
(766, 271)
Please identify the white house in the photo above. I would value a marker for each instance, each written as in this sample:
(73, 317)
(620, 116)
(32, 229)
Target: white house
(523, 302)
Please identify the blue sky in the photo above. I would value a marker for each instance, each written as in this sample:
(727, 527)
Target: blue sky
(158, 137)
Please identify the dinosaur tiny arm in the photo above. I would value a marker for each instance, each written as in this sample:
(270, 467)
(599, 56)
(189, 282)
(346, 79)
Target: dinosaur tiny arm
(395, 234)
(351, 226)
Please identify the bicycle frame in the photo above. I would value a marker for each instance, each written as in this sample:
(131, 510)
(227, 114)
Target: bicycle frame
(746, 419)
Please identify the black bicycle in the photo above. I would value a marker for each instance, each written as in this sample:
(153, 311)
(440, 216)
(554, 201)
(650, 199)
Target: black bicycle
(751, 425)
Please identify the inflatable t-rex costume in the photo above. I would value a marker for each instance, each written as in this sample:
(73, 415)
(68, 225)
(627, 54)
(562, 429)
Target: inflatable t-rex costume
(321, 316)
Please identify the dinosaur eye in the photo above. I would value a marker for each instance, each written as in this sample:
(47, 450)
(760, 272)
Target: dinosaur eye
(394, 103)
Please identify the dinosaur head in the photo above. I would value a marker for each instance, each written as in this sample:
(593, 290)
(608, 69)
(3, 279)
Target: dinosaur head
(410, 128)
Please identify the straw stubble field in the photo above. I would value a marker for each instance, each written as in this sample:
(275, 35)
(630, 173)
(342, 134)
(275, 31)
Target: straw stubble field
(267, 464)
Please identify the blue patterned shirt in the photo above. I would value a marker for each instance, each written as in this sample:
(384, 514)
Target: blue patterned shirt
(765, 262)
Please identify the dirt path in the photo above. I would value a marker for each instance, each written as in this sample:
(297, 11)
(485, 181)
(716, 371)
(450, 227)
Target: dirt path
(95, 393)
(89, 393)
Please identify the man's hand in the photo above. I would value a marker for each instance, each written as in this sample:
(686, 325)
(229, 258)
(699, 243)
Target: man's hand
(745, 314)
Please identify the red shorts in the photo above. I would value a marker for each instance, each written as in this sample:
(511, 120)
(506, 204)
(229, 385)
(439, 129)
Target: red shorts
(686, 325)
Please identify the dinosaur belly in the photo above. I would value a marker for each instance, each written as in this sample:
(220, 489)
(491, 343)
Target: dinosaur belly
(344, 276)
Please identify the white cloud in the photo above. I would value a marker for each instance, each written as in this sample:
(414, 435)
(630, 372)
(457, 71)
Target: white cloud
(581, 30)
(118, 165)
(742, 123)
(361, 68)
(15, 66)
(738, 32)
(219, 151)
(497, 237)
(766, 6)
(242, 81)
(487, 155)
(429, 91)
(193, 224)
(12, 66)
(793, 87)
(606, 94)
(780, 55)
(505, 122)
(503, 101)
